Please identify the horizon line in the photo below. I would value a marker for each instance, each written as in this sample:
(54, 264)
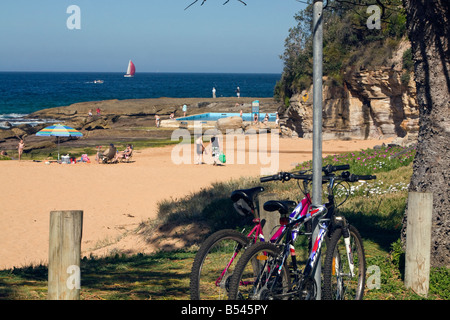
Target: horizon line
(142, 72)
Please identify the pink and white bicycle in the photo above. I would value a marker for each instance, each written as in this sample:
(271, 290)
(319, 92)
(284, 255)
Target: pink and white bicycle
(215, 261)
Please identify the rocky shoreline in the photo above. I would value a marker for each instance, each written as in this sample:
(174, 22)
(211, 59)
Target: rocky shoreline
(389, 113)
(120, 120)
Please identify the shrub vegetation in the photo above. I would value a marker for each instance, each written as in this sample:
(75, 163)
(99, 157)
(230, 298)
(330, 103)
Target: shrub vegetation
(348, 44)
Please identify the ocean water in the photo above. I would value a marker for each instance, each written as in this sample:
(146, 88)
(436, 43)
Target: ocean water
(22, 93)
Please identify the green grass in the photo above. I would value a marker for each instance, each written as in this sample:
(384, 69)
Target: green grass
(161, 276)
(370, 161)
(376, 208)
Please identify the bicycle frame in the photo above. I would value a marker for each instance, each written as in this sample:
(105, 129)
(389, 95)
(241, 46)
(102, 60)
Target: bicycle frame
(311, 264)
(301, 210)
(315, 250)
(290, 232)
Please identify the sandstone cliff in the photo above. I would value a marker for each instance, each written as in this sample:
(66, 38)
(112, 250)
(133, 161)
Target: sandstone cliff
(369, 104)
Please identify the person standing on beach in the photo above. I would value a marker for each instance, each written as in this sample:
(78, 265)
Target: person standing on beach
(184, 110)
(214, 92)
(20, 148)
(255, 119)
(215, 149)
(199, 149)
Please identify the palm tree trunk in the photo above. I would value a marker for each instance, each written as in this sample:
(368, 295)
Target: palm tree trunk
(428, 29)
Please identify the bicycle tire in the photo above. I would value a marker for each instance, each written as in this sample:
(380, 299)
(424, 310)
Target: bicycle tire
(337, 282)
(209, 263)
(249, 280)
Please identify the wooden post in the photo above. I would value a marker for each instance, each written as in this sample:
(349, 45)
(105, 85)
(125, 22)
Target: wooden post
(418, 242)
(271, 219)
(64, 255)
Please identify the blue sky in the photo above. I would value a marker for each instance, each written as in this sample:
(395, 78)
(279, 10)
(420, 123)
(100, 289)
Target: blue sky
(158, 35)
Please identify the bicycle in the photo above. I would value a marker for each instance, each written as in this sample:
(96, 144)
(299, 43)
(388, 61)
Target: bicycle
(262, 273)
(214, 262)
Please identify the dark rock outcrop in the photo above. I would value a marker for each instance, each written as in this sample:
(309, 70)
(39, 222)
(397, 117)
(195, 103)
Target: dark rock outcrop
(123, 120)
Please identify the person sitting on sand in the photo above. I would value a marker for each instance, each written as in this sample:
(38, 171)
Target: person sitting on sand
(97, 156)
(125, 153)
(101, 155)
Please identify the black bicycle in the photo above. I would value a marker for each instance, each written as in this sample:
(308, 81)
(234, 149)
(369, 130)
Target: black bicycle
(263, 272)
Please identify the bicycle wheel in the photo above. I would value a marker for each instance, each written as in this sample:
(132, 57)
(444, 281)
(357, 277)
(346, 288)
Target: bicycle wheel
(214, 264)
(338, 281)
(257, 275)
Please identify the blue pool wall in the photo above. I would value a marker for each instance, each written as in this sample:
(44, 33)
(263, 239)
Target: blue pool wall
(214, 116)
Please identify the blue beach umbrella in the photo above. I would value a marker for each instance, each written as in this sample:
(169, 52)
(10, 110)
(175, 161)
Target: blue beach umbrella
(59, 130)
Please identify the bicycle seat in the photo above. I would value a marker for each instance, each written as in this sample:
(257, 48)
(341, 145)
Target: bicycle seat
(248, 195)
(281, 206)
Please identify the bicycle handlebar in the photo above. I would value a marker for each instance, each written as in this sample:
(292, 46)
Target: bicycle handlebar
(354, 177)
(329, 168)
(278, 176)
(345, 176)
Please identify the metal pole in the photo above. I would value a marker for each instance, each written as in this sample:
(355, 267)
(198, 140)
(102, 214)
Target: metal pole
(317, 123)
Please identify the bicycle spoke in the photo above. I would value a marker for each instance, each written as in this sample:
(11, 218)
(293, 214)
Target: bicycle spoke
(344, 273)
(214, 265)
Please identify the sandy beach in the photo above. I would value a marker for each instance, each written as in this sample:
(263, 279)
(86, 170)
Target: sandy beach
(115, 198)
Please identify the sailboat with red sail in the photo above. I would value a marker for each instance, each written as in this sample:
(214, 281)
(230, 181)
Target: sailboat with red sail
(131, 70)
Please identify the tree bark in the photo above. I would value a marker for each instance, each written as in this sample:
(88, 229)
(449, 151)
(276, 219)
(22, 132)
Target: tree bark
(428, 29)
